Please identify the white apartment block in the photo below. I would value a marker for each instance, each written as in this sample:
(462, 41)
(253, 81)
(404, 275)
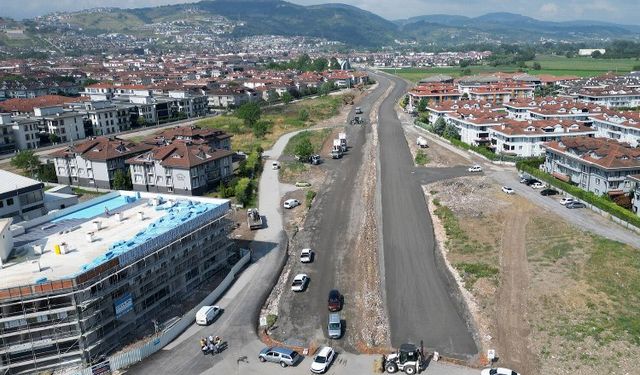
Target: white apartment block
(67, 125)
(621, 126)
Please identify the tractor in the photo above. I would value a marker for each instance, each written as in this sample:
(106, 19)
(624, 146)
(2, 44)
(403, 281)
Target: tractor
(408, 359)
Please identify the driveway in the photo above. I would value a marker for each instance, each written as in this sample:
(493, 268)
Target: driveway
(420, 304)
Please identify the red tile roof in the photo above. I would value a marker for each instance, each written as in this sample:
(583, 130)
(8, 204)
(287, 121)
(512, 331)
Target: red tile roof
(27, 105)
(604, 152)
(181, 155)
(101, 149)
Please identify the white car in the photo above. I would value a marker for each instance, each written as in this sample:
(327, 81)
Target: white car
(300, 282)
(498, 371)
(275, 165)
(475, 168)
(566, 200)
(538, 185)
(291, 203)
(306, 255)
(322, 360)
(508, 190)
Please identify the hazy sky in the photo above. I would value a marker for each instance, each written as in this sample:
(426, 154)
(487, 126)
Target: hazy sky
(621, 11)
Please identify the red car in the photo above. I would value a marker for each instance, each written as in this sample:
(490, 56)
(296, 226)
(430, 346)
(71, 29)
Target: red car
(335, 300)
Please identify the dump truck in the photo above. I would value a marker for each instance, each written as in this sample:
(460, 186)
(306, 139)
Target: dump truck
(336, 151)
(421, 142)
(254, 220)
(343, 141)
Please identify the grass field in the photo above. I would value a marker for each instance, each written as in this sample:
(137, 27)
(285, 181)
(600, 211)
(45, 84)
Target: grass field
(553, 65)
(282, 119)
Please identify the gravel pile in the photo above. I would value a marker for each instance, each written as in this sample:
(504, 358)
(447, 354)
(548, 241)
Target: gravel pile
(468, 196)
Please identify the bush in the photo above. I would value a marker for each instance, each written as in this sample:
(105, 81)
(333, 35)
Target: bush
(602, 203)
(271, 320)
(303, 114)
(309, 197)
(421, 158)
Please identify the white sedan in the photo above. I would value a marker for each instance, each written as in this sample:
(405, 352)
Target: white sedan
(291, 203)
(508, 190)
(475, 168)
(322, 360)
(538, 185)
(306, 255)
(498, 371)
(300, 282)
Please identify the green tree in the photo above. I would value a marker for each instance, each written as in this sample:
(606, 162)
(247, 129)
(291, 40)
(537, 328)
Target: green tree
(250, 113)
(326, 88)
(304, 149)
(334, 64)
(537, 66)
(466, 72)
(405, 101)
(450, 131)
(439, 126)
(54, 138)
(422, 105)
(141, 122)
(252, 164)
(122, 180)
(27, 161)
(596, 54)
(260, 128)
(286, 97)
(320, 64)
(244, 191)
(636, 68)
(464, 63)
(47, 173)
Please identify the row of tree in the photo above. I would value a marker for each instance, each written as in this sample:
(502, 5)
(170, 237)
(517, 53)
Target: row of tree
(304, 63)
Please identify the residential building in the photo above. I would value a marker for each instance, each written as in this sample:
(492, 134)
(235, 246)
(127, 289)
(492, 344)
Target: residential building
(7, 139)
(66, 125)
(106, 117)
(180, 167)
(474, 126)
(433, 93)
(25, 132)
(214, 138)
(525, 138)
(621, 126)
(634, 181)
(94, 162)
(598, 165)
(100, 278)
(21, 198)
(441, 109)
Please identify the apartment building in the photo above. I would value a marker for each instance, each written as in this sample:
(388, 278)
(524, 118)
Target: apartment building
(180, 167)
(214, 138)
(441, 109)
(621, 126)
(474, 126)
(66, 125)
(598, 165)
(551, 108)
(7, 139)
(634, 181)
(525, 138)
(433, 93)
(81, 283)
(107, 117)
(21, 198)
(94, 161)
(25, 132)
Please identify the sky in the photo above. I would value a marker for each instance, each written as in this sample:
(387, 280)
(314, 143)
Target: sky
(619, 11)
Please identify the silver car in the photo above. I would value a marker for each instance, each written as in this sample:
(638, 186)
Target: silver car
(334, 328)
(283, 356)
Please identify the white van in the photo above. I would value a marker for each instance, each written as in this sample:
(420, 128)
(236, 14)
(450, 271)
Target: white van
(207, 314)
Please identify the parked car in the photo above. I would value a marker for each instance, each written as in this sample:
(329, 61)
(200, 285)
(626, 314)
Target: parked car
(334, 328)
(575, 204)
(300, 282)
(322, 360)
(528, 181)
(207, 314)
(316, 159)
(291, 203)
(475, 168)
(508, 190)
(306, 255)
(275, 165)
(358, 111)
(335, 300)
(498, 371)
(538, 185)
(283, 356)
(547, 192)
(566, 200)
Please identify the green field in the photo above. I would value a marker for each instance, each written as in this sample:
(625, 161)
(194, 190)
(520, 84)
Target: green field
(553, 65)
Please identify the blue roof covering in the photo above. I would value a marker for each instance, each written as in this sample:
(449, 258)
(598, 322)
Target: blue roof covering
(178, 213)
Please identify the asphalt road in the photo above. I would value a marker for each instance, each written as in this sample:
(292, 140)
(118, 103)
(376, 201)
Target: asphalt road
(419, 303)
(329, 230)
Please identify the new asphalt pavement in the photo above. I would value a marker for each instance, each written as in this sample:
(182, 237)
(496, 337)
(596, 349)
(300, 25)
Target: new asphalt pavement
(419, 301)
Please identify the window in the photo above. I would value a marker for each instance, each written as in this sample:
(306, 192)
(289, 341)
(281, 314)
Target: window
(10, 202)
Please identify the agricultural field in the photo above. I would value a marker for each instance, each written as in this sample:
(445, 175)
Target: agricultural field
(553, 65)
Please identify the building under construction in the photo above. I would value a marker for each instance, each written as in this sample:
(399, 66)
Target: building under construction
(78, 283)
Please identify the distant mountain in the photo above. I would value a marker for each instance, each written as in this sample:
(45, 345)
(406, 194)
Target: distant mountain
(510, 27)
(351, 25)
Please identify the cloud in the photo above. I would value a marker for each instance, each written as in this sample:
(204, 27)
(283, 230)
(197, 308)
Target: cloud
(549, 9)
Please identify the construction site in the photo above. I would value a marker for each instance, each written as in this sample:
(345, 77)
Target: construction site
(79, 283)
